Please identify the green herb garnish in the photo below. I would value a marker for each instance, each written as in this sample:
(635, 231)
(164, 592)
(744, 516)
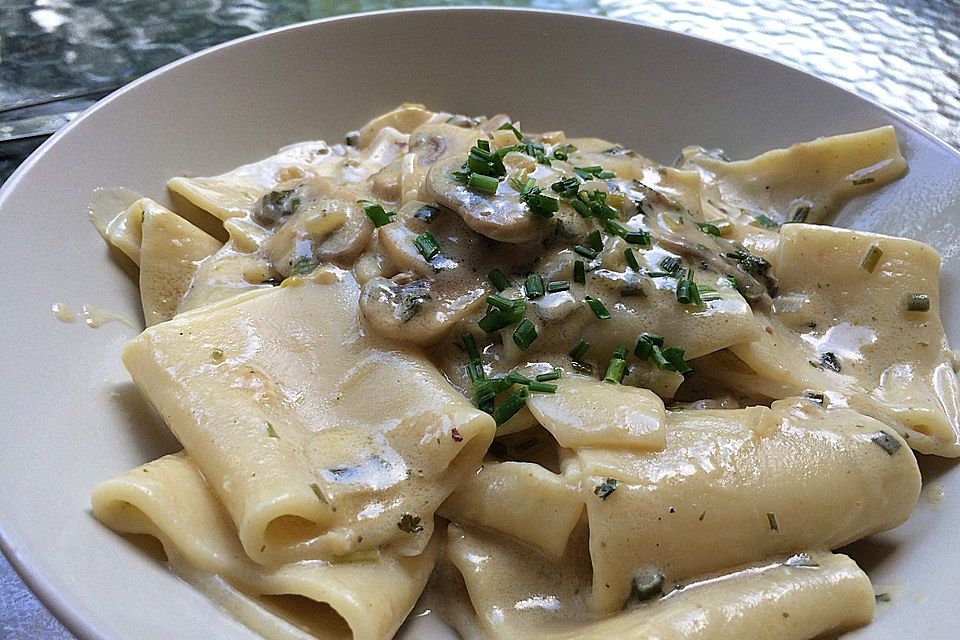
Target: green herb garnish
(410, 523)
(524, 335)
(617, 366)
(551, 375)
(317, 492)
(598, 308)
(427, 246)
(510, 405)
(378, 216)
(577, 352)
(500, 281)
(631, 259)
(872, 257)
(557, 286)
(886, 442)
(647, 586)
(567, 188)
(304, 265)
(534, 286)
(605, 488)
(480, 182)
(579, 272)
(772, 521)
(917, 302)
(710, 229)
(427, 213)
(766, 222)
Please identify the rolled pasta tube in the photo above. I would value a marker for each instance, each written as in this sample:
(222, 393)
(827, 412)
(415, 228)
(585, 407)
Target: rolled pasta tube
(519, 595)
(733, 486)
(305, 426)
(545, 514)
(367, 598)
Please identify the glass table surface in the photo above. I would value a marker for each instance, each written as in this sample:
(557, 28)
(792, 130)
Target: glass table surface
(903, 54)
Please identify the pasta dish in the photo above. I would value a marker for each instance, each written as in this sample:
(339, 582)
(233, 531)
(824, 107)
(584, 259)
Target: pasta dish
(540, 385)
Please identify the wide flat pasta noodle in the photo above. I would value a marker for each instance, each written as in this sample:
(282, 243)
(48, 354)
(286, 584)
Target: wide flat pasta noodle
(306, 427)
(489, 499)
(893, 364)
(169, 499)
(733, 486)
(519, 595)
(818, 176)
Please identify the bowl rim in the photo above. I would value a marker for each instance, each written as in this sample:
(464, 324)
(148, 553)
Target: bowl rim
(79, 622)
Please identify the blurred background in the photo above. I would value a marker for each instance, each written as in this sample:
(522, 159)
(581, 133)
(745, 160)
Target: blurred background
(57, 57)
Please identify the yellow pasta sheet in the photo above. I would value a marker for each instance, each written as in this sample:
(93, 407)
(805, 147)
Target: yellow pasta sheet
(319, 438)
(169, 499)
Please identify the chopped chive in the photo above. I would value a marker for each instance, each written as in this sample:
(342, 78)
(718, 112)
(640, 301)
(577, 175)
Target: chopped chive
(493, 321)
(710, 229)
(483, 144)
(871, 259)
(674, 358)
(499, 280)
(595, 241)
(510, 405)
(772, 521)
(579, 272)
(557, 286)
(917, 302)
(499, 302)
(645, 344)
(616, 368)
(641, 238)
(631, 259)
(304, 265)
(470, 344)
(828, 360)
(586, 252)
(551, 375)
(670, 264)
(475, 370)
(524, 334)
(542, 387)
(427, 246)
(801, 213)
(487, 184)
(615, 228)
(886, 442)
(486, 389)
(577, 352)
(647, 586)
(684, 287)
(567, 188)
(766, 221)
(318, 492)
(410, 523)
(816, 398)
(859, 181)
(598, 308)
(427, 213)
(515, 377)
(733, 282)
(581, 207)
(271, 431)
(534, 286)
(509, 126)
(605, 488)
(656, 355)
(378, 216)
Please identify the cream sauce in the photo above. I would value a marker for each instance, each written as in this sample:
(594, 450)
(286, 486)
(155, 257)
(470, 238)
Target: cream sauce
(678, 267)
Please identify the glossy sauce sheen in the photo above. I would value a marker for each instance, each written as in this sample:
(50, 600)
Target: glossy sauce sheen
(744, 398)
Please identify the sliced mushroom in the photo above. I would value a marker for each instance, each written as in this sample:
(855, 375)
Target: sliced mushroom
(502, 217)
(414, 310)
(325, 227)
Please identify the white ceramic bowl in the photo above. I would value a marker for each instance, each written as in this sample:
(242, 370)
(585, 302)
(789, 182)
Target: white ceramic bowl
(68, 405)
